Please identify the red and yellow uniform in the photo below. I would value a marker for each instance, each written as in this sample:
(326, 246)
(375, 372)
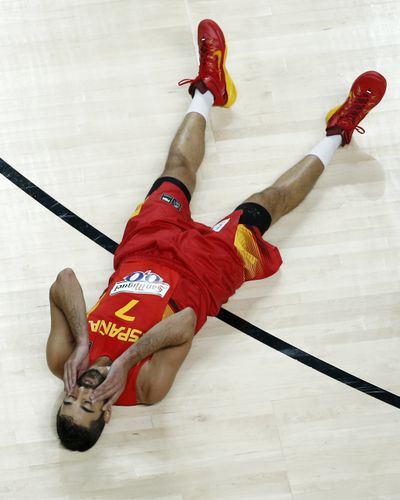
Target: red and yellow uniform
(137, 297)
(166, 262)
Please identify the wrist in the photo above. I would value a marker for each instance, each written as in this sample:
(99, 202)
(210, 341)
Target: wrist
(129, 358)
(82, 342)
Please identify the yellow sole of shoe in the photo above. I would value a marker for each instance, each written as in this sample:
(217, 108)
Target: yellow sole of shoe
(333, 110)
(230, 86)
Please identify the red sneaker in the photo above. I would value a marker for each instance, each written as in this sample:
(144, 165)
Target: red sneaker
(213, 75)
(365, 93)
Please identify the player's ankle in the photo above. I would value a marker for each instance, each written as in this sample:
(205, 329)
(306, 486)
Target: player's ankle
(326, 148)
(202, 103)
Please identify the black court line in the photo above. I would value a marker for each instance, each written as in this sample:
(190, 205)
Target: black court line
(227, 317)
(50, 203)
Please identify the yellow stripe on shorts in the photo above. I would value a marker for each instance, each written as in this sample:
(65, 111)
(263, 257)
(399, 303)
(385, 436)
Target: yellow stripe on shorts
(248, 250)
(137, 211)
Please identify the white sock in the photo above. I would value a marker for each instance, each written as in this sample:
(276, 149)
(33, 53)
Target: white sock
(201, 103)
(326, 148)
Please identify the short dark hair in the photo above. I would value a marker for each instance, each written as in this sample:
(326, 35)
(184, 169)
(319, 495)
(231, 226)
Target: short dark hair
(76, 437)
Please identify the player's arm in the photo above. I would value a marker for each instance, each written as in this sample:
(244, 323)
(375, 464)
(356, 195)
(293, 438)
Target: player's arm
(169, 341)
(67, 346)
(158, 374)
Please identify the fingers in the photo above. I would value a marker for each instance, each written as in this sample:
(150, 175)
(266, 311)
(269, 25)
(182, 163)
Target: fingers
(111, 389)
(66, 379)
(72, 378)
(105, 390)
(69, 378)
(83, 367)
(66, 383)
(112, 400)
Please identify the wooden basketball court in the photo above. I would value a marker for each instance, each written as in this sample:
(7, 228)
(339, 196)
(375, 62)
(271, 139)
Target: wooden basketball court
(89, 104)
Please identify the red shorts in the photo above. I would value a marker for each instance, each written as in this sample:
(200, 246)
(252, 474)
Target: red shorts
(217, 260)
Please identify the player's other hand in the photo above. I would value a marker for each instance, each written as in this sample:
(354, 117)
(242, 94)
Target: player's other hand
(75, 365)
(113, 386)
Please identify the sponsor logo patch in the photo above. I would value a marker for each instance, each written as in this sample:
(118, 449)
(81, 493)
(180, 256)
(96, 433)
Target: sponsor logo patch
(220, 225)
(142, 282)
(171, 201)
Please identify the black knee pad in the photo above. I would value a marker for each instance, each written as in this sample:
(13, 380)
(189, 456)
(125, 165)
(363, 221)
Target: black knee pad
(255, 215)
(173, 180)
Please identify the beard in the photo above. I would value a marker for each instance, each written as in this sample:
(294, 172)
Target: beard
(91, 379)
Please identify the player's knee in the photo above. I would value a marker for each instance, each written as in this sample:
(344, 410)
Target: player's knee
(280, 198)
(178, 159)
(276, 200)
(181, 172)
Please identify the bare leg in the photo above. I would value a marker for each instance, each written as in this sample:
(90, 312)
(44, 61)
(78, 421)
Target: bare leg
(187, 150)
(290, 189)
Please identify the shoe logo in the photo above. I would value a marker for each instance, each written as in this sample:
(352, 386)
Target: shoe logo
(218, 53)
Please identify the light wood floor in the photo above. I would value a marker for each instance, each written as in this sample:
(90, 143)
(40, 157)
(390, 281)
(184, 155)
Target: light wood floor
(88, 106)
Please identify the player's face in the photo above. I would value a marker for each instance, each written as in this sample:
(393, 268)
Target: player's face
(78, 405)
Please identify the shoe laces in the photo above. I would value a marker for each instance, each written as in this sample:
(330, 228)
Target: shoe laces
(185, 81)
(207, 58)
(207, 54)
(353, 111)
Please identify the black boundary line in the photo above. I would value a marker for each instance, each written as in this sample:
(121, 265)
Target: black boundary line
(229, 318)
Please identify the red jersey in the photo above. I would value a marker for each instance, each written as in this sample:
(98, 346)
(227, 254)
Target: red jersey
(121, 316)
(166, 262)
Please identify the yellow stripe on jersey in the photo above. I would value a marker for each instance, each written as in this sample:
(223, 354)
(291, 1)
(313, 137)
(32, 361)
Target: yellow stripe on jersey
(248, 250)
(168, 312)
(96, 305)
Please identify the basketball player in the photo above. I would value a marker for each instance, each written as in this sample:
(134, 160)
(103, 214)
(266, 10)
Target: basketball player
(171, 272)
